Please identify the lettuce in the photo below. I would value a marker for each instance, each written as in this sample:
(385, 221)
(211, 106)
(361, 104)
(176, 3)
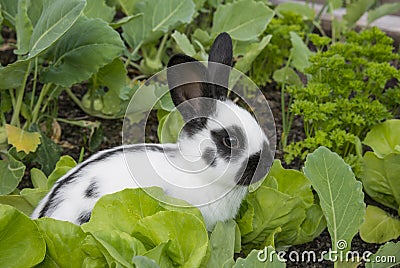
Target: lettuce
(281, 212)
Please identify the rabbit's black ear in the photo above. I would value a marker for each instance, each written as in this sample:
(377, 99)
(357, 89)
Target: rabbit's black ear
(186, 77)
(221, 52)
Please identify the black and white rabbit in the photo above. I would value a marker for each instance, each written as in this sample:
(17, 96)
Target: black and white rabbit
(220, 151)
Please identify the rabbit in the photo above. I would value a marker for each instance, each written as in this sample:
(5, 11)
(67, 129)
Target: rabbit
(220, 151)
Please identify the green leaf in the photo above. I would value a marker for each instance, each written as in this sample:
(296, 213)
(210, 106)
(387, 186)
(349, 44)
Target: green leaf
(63, 243)
(1, 22)
(270, 209)
(380, 178)
(124, 20)
(252, 51)
(292, 182)
(35, 10)
(169, 127)
(33, 196)
(113, 76)
(389, 250)
(299, 52)
(379, 227)
(284, 202)
(47, 154)
(24, 28)
(222, 244)
(127, 6)
(99, 9)
(159, 254)
(21, 243)
(120, 211)
(158, 18)
(13, 74)
(383, 10)
(313, 225)
(11, 171)
(89, 45)
(288, 76)
(355, 10)
(384, 138)
(54, 22)
(118, 247)
(304, 10)
(143, 261)
(335, 4)
(38, 178)
(183, 43)
(268, 259)
(340, 194)
(9, 9)
(63, 165)
(18, 202)
(243, 20)
(188, 236)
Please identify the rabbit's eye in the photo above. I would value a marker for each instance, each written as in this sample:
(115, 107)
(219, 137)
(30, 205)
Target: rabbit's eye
(230, 142)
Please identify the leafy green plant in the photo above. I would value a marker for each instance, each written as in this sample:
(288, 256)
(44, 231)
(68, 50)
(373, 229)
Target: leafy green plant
(345, 94)
(274, 56)
(281, 212)
(380, 173)
(379, 226)
(389, 249)
(355, 9)
(59, 44)
(28, 198)
(127, 229)
(340, 194)
(380, 178)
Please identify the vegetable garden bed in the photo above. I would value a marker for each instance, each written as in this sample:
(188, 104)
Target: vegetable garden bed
(71, 67)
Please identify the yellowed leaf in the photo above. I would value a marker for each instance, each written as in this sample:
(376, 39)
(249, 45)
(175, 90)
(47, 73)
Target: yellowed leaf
(22, 140)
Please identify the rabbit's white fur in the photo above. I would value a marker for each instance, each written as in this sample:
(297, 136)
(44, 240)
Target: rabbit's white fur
(212, 183)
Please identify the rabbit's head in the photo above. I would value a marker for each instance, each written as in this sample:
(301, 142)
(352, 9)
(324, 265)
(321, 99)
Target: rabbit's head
(219, 138)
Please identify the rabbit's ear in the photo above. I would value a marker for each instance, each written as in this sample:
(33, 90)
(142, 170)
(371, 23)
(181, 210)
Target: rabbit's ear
(221, 52)
(186, 77)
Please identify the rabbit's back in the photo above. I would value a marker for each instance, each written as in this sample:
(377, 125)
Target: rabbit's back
(74, 195)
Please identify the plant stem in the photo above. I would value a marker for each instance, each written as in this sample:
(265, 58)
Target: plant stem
(20, 97)
(43, 92)
(34, 84)
(49, 98)
(134, 65)
(135, 51)
(138, 77)
(316, 23)
(12, 97)
(161, 47)
(285, 122)
(88, 111)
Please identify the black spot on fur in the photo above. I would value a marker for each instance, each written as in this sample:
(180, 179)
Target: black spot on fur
(92, 190)
(227, 153)
(256, 167)
(194, 126)
(84, 217)
(209, 155)
(54, 199)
